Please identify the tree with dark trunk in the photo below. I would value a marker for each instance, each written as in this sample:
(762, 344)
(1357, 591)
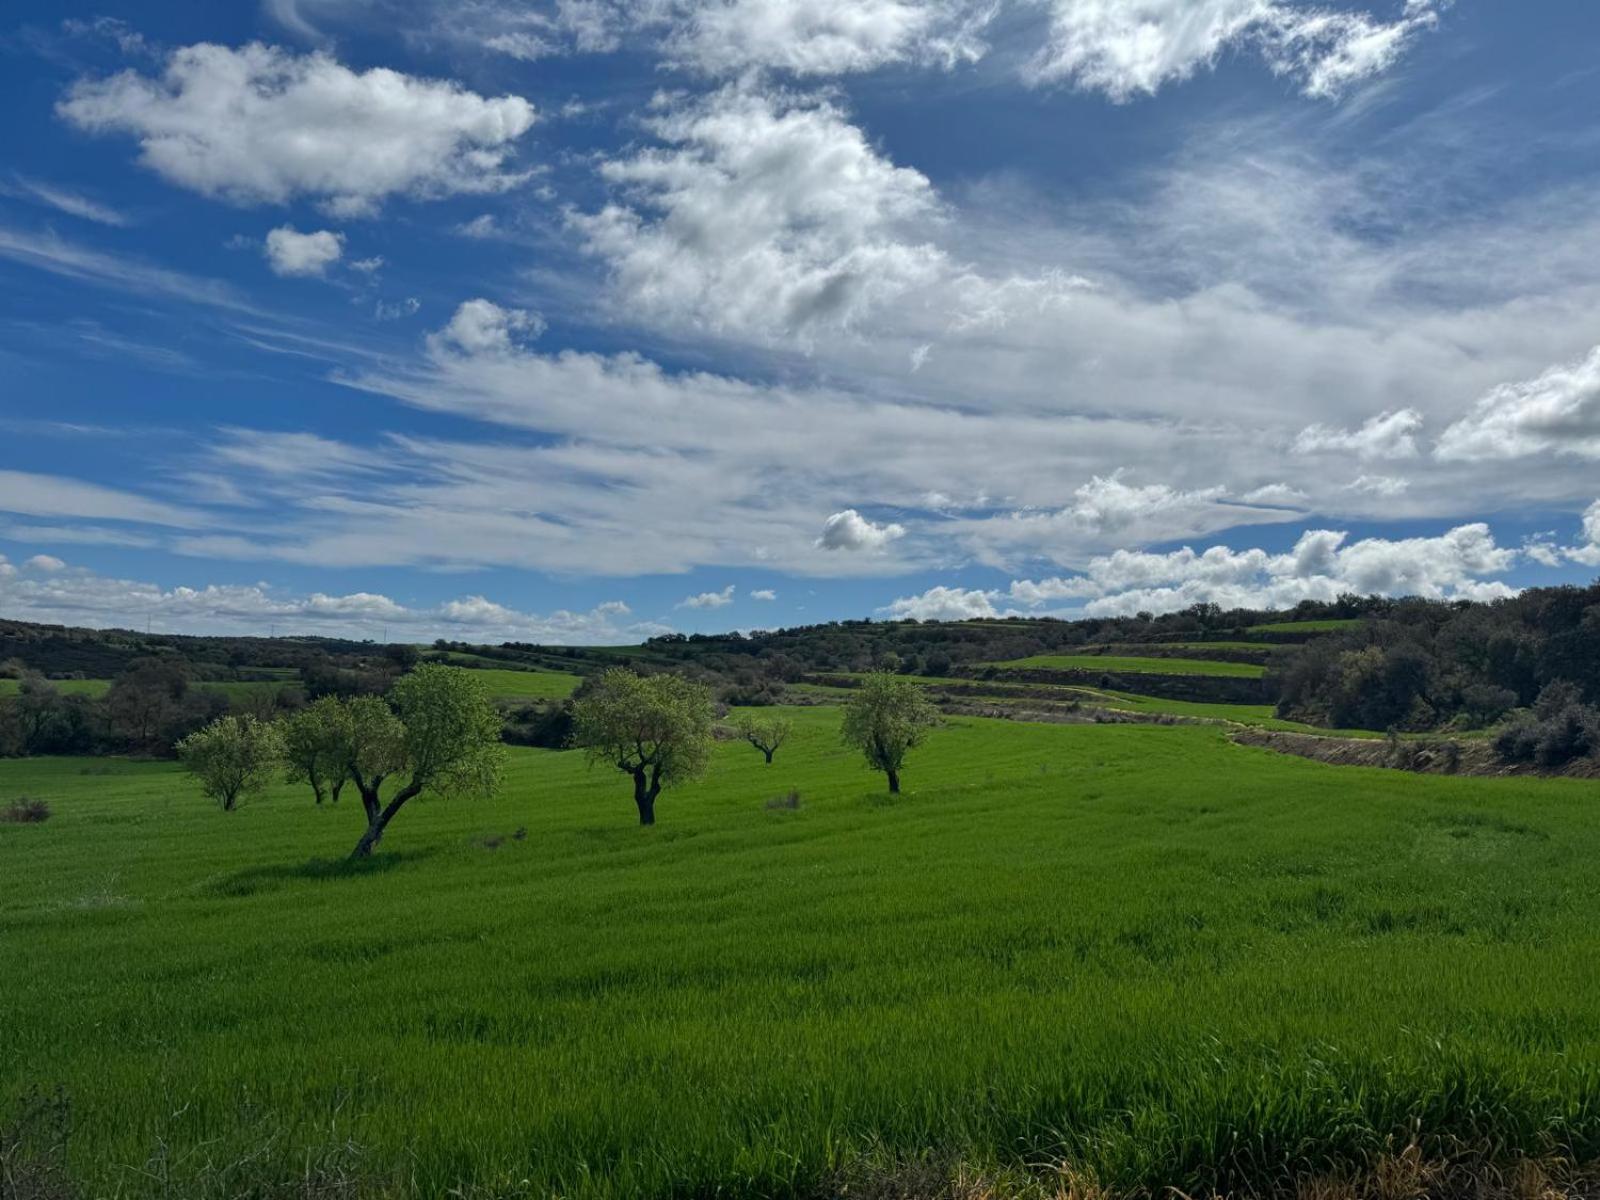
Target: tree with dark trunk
(441, 736)
(232, 757)
(887, 717)
(656, 729)
(765, 733)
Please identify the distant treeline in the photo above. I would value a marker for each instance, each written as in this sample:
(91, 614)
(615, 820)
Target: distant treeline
(1427, 665)
(156, 700)
(1531, 663)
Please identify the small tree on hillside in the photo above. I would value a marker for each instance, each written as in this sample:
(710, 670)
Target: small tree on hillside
(232, 757)
(765, 733)
(885, 718)
(442, 735)
(657, 729)
(315, 747)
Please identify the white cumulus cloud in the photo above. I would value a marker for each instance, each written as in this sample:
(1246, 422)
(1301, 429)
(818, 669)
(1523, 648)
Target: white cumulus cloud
(483, 327)
(260, 125)
(1558, 412)
(849, 530)
(290, 252)
(709, 599)
(826, 37)
(1389, 435)
(1461, 563)
(944, 604)
(762, 213)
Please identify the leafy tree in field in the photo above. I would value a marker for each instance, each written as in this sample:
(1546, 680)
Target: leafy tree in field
(885, 718)
(655, 728)
(442, 736)
(146, 699)
(38, 701)
(766, 734)
(232, 757)
(315, 747)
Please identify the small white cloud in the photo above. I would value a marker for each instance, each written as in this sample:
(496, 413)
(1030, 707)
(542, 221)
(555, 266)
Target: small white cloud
(1276, 494)
(483, 327)
(763, 594)
(386, 310)
(709, 599)
(849, 530)
(1390, 435)
(484, 226)
(368, 265)
(290, 252)
(48, 563)
(1379, 485)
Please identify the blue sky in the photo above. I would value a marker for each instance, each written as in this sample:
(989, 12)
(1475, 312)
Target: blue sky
(585, 320)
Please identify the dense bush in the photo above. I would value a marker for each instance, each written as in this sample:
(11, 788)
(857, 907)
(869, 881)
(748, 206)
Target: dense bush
(25, 810)
(1559, 730)
(1423, 665)
(547, 726)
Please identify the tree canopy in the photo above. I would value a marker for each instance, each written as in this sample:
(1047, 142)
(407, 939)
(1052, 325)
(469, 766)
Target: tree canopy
(885, 718)
(656, 728)
(767, 733)
(441, 735)
(315, 747)
(232, 757)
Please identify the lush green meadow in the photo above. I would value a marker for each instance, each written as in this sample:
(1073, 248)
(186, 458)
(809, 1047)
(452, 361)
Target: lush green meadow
(1329, 625)
(1160, 956)
(67, 687)
(1135, 666)
(527, 685)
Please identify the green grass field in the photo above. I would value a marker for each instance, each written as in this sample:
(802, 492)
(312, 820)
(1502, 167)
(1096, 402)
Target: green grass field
(1331, 625)
(1163, 957)
(67, 687)
(527, 685)
(1140, 666)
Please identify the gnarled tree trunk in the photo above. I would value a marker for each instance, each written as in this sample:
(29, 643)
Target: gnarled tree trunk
(894, 783)
(646, 787)
(378, 814)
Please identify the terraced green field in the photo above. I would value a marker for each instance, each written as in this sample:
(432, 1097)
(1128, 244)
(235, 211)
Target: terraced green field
(67, 687)
(527, 685)
(1328, 626)
(1163, 958)
(1112, 663)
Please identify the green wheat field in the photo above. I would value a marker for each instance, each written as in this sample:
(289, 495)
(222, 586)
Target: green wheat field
(1142, 951)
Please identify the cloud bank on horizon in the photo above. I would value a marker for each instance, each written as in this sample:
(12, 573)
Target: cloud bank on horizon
(583, 322)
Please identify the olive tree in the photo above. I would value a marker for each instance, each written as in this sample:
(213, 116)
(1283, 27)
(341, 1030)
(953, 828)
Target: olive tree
(315, 742)
(437, 733)
(232, 757)
(887, 717)
(765, 733)
(655, 728)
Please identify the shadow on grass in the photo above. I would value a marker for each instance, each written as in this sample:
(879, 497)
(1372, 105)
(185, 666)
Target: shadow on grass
(253, 880)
